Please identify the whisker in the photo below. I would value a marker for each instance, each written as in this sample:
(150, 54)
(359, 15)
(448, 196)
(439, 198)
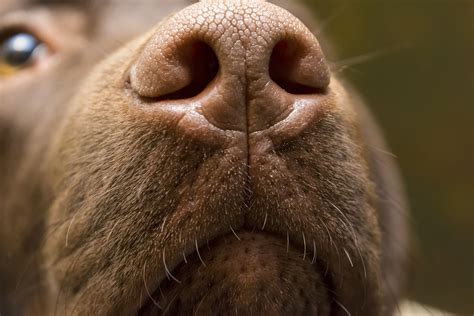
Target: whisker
(69, 228)
(341, 65)
(198, 253)
(163, 224)
(327, 269)
(363, 262)
(329, 233)
(148, 291)
(287, 242)
(343, 307)
(347, 222)
(264, 221)
(111, 230)
(140, 300)
(161, 292)
(304, 247)
(327, 21)
(356, 60)
(384, 151)
(166, 268)
(200, 302)
(348, 256)
(315, 253)
(355, 240)
(233, 231)
(184, 257)
(169, 304)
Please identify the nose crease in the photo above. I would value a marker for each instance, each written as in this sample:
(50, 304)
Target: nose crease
(255, 61)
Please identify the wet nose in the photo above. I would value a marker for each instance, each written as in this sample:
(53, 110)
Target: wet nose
(241, 65)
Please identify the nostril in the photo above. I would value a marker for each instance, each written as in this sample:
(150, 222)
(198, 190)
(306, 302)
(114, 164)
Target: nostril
(200, 64)
(294, 68)
(203, 65)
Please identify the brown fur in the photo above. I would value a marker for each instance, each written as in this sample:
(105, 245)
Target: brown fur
(100, 198)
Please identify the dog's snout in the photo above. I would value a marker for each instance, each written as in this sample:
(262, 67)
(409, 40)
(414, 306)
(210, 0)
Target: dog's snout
(242, 65)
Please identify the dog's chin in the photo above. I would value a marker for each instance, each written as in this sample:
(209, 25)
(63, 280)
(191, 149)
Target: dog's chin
(246, 274)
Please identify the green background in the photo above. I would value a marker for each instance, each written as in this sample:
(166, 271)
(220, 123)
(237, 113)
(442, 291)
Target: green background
(418, 79)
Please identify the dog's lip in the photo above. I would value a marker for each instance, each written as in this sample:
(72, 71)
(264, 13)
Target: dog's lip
(193, 248)
(169, 276)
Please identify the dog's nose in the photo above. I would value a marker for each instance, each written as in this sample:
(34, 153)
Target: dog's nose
(242, 65)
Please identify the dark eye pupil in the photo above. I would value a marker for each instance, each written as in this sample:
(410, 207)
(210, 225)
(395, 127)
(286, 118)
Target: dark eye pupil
(18, 49)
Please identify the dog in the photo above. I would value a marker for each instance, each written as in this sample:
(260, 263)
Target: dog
(183, 157)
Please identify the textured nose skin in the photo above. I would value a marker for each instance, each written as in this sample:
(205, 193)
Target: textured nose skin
(243, 65)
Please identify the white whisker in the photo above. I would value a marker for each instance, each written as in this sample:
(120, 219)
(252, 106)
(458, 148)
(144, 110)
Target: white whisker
(315, 252)
(198, 253)
(264, 221)
(356, 60)
(163, 224)
(233, 231)
(354, 236)
(348, 257)
(166, 267)
(69, 228)
(385, 152)
(148, 291)
(347, 224)
(343, 307)
(329, 233)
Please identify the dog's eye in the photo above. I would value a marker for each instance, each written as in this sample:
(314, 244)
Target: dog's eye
(18, 51)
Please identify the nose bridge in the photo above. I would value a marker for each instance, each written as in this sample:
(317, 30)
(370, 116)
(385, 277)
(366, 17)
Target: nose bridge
(244, 32)
(248, 37)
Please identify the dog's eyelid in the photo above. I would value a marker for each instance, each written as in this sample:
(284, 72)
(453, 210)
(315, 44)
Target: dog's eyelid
(11, 30)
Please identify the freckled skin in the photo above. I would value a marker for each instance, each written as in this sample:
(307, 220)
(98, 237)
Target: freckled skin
(135, 182)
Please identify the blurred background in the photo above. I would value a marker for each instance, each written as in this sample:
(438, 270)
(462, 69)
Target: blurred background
(413, 60)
